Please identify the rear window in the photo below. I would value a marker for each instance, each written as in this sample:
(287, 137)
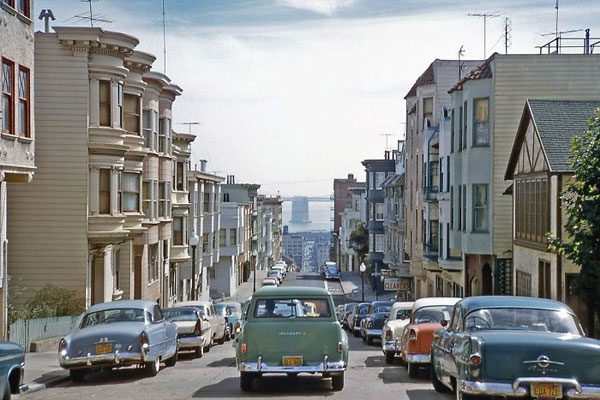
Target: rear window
(292, 308)
(183, 314)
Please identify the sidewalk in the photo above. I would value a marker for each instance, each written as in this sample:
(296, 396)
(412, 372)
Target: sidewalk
(42, 370)
(351, 284)
(246, 289)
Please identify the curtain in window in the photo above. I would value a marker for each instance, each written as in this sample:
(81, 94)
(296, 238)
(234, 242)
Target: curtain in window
(481, 127)
(130, 187)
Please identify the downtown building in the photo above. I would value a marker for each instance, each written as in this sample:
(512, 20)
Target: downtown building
(17, 128)
(354, 215)
(342, 198)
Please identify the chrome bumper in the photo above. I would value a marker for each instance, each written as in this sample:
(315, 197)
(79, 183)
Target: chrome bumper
(262, 367)
(520, 388)
(391, 346)
(189, 342)
(374, 332)
(356, 328)
(114, 359)
(418, 358)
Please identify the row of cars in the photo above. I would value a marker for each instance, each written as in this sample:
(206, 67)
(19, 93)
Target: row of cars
(276, 274)
(139, 333)
(485, 347)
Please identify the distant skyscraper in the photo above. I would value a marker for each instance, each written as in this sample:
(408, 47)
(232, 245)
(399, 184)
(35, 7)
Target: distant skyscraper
(300, 210)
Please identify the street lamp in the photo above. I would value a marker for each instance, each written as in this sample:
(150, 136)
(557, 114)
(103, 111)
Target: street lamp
(193, 241)
(255, 254)
(362, 269)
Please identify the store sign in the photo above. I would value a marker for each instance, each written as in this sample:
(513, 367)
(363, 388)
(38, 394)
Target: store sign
(395, 284)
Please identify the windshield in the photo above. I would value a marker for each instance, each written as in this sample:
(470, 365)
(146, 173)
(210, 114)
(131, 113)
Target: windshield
(402, 314)
(292, 308)
(180, 314)
(363, 309)
(432, 314)
(332, 270)
(114, 315)
(524, 319)
(381, 308)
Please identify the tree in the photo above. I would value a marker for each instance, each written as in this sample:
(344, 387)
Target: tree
(359, 241)
(50, 301)
(581, 201)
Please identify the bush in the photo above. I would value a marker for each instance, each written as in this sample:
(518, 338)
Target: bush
(50, 301)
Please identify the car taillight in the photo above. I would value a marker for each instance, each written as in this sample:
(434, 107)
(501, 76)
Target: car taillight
(412, 335)
(340, 347)
(243, 347)
(62, 345)
(370, 324)
(388, 334)
(475, 360)
(198, 327)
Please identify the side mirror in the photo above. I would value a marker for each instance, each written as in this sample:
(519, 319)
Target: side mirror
(444, 323)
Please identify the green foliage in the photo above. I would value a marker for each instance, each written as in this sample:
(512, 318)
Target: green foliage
(359, 241)
(582, 204)
(49, 301)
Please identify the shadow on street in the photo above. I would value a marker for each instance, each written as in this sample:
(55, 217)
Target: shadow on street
(271, 385)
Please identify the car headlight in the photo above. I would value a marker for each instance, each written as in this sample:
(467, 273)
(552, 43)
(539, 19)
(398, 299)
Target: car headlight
(370, 324)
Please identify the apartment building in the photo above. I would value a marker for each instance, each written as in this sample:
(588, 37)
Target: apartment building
(17, 126)
(425, 102)
(377, 170)
(485, 111)
(341, 200)
(227, 269)
(539, 170)
(351, 218)
(275, 208)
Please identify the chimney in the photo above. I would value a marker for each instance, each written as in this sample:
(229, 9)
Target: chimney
(351, 177)
(387, 155)
(203, 165)
(586, 49)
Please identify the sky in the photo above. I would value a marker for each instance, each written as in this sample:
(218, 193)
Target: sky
(291, 94)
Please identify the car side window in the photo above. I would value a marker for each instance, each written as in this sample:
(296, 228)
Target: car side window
(456, 319)
(158, 315)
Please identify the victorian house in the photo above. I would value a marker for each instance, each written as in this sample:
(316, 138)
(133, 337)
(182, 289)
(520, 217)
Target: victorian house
(17, 127)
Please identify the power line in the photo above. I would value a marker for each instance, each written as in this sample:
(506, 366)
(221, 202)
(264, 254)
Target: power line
(485, 16)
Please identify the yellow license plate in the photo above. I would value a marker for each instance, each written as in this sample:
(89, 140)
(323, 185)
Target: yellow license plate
(291, 361)
(104, 348)
(546, 390)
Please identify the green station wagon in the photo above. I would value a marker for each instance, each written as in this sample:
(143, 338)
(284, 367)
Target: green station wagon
(291, 330)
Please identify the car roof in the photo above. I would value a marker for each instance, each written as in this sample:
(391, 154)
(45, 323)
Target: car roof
(378, 303)
(435, 301)
(477, 302)
(146, 305)
(291, 291)
(403, 305)
(194, 303)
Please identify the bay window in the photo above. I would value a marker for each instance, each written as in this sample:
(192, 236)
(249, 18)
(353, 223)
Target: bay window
(233, 237)
(428, 110)
(206, 202)
(8, 90)
(120, 103)
(164, 133)
(177, 231)
(164, 198)
(379, 211)
(465, 115)
(222, 237)
(480, 208)
(179, 177)
(481, 131)
(205, 248)
(132, 113)
(104, 191)
(152, 262)
(130, 192)
(104, 103)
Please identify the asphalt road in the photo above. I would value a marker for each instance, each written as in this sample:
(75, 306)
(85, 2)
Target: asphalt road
(215, 376)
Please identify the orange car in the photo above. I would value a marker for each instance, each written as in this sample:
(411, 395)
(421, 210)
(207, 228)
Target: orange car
(426, 316)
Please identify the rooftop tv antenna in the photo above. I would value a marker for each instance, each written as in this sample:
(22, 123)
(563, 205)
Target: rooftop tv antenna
(387, 139)
(164, 22)
(189, 125)
(556, 24)
(461, 52)
(46, 15)
(485, 16)
(90, 16)
(507, 36)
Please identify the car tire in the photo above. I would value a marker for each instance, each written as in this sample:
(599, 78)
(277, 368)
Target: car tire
(369, 341)
(437, 384)
(153, 367)
(77, 375)
(246, 381)
(209, 345)
(172, 360)
(222, 340)
(199, 352)
(356, 333)
(413, 370)
(389, 357)
(337, 382)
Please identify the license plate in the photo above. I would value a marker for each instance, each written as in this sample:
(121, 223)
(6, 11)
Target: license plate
(104, 348)
(291, 361)
(546, 390)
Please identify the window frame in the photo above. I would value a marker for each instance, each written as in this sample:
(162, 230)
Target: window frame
(133, 115)
(465, 123)
(379, 216)
(233, 237)
(105, 191)
(26, 100)
(178, 234)
(123, 192)
(105, 104)
(464, 209)
(10, 95)
(153, 260)
(452, 131)
(460, 128)
(474, 138)
(484, 208)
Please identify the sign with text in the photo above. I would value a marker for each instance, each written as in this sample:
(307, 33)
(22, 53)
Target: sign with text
(395, 284)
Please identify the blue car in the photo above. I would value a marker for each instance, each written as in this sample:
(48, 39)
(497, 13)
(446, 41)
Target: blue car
(12, 364)
(332, 273)
(119, 334)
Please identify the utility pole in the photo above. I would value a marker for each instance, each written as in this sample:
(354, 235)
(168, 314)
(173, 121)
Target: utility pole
(164, 38)
(556, 25)
(485, 16)
(507, 37)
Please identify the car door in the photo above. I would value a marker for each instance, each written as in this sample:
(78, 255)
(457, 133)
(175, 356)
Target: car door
(442, 344)
(156, 333)
(221, 321)
(454, 342)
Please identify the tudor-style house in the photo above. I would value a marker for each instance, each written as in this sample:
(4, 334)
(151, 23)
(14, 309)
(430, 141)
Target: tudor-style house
(539, 171)
(17, 127)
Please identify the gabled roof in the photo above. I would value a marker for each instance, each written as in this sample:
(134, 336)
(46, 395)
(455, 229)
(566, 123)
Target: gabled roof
(482, 71)
(426, 78)
(556, 122)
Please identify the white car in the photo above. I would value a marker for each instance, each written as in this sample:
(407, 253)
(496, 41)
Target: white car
(217, 323)
(280, 268)
(393, 329)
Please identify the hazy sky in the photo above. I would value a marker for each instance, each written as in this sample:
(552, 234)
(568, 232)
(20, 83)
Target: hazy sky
(292, 93)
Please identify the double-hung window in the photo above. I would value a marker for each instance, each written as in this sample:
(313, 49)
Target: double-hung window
(130, 192)
(104, 191)
(105, 102)
(120, 104)
(465, 115)
(8, 91)
(464, 205)
(452, 122)
(150, 129)
(164, 135)
(24, 125)
(222, 237)
(379, 178)
(481, 129)
(206, 202)
(480, 208)
(379, 243)
(379, 211)
(180, 178)
(132, 113)
(205, 248)
(177, 231)
(428, 110)
(233, 237)
(147, 200)
(164, 199)
(23, 7)
(152, 262)
(460, 128)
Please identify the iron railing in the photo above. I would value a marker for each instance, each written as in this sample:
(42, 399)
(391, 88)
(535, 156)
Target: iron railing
(430, 193)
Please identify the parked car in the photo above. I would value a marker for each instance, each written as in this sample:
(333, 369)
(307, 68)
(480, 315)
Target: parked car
(360, 312)
(280, 268)
(119, 334)
(505, 346)
(371, 325)
(275, 273)
(193, 329)
(332, 272)
(232, 312)
(347, 311)
(278, 336)
(339, 311)
(270, 281)
(12, 368)
(393, 330)
(426, 317)
(217, 322)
